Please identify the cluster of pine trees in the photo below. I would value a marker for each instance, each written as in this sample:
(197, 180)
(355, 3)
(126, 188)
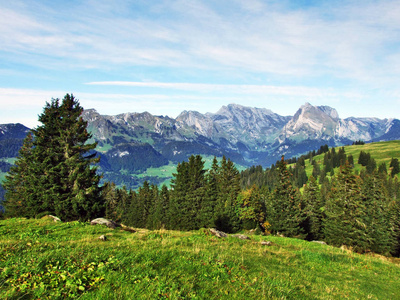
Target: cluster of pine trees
(197, 198)
(361, 211)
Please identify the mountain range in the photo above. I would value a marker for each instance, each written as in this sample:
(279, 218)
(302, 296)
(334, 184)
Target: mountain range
(132, 142)
(249, 136)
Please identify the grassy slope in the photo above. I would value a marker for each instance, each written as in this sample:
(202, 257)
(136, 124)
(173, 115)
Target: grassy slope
(382, 152)
(41, 259)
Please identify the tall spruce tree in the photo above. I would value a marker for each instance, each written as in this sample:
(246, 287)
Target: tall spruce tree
(345, 212)
(285, 211)
(226, 218)
(313, 210)
(187, 195)
(54, 172)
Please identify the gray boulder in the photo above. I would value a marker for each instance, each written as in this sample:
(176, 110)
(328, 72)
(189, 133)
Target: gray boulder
(103, 221)
(241, 236)
(218, 233)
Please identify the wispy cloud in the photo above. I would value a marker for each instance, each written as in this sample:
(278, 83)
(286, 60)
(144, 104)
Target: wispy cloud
(258, 53)
(209, 35)
(230, 89)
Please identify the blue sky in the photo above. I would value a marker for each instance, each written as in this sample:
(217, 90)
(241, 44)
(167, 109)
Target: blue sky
(168, 56)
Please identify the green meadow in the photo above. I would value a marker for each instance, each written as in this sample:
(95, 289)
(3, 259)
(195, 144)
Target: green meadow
(382, 152)
(41, 259)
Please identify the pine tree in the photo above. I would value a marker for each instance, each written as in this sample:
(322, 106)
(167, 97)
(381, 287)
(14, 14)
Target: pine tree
(62, 179)
(394, 166)
(188, 194)
(345, 212)
(207, 216)
(20, 199)
(377, 219)
(229, 187)
(161, 209)
(251, 207)
(286, 211)
(313, 210)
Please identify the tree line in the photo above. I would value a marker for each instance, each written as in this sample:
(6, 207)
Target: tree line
(55, 173)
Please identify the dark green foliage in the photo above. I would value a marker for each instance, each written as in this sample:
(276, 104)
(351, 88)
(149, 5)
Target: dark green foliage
(364, 158)
(394, 166)
(382, 169)
(251, 207)
(160, 216)
(350, 159)
(377, 215)
(345, 212)
(54, 171)
(316, 170)
(229, 187)
(285, 210)
(313, 210)
(188, 192)
(371, 166)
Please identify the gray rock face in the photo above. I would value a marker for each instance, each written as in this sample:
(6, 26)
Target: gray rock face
(218, 233)
(103, 221)
(241, 236)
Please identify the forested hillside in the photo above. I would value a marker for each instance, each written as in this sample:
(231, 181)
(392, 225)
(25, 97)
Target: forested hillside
(329, 194)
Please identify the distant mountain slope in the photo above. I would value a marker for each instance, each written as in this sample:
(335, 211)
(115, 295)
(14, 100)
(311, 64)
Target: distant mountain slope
(11, 139)
(131, 142)
(247, 135)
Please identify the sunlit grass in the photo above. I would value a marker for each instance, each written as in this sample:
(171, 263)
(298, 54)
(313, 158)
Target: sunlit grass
(43, 259)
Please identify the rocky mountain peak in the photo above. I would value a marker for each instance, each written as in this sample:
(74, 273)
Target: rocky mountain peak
(311, 122)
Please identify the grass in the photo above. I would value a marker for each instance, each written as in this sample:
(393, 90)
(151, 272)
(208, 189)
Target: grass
(48, 260)
(382, 152)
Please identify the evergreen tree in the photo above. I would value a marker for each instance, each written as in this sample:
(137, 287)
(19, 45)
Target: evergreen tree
(285, 211)
(378, 225)
(188, 193)
(207, 212)
(251, 207)
(62, 179)
(229, 187)
(350, 159)
(345, 212)
(161, 209)
(19, 184)
(313, 210)
(371, 166)
(316, 170)
(394, 166)
(382, 169)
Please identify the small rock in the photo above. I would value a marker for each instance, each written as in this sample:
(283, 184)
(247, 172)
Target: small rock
(103, 238)
(241, 236)
(218, 233)
(319, 242)
(103, 221)
(266, 243)
(56, 219)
